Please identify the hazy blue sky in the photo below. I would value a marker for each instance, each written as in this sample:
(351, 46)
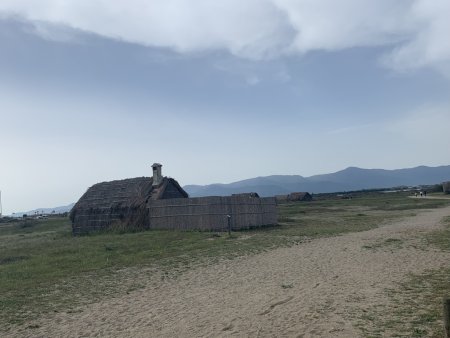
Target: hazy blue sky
(216, 91)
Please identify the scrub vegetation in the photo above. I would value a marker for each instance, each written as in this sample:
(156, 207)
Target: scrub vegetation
(416, 303)
(44, 269)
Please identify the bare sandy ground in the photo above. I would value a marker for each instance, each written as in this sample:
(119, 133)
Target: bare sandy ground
(314, 289)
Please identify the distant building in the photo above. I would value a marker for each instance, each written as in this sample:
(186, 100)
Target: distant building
(446, 187)
(294, 197)
(299, 196)
(247, 194)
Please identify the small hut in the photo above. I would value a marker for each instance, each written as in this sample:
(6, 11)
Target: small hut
(446, 187)
(299, 196)
(122, 203)
(247, 195)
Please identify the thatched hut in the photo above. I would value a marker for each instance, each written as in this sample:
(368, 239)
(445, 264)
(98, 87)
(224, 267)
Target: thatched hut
(299, 196)
(122, 203)
(247, 195)
(446, 187)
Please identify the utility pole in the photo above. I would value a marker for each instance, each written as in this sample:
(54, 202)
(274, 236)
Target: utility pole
(0, 204)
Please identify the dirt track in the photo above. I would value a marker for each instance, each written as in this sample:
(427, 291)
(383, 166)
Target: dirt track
(315, 289)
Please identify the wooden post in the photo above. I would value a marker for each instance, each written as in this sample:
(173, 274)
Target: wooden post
(447, 317)
(229, 225)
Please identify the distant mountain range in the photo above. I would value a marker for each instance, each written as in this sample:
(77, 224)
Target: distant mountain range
(45, 211)
(349, 179)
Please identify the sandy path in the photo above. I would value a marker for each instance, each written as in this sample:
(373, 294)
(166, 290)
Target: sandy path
(315, 289)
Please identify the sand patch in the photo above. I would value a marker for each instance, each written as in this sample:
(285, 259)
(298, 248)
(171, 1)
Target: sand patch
(315, 289)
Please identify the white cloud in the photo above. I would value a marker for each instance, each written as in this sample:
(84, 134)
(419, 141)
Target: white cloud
(251, 28)
(429, 44)
(331, 25)
(52, 32)
(260, 29)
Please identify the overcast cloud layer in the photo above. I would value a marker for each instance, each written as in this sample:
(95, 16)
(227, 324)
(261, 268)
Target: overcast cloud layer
(216, 91)
(417, 30)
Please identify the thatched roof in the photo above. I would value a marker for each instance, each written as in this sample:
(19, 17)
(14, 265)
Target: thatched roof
(128, 193)
(247, 194)
(299, 196)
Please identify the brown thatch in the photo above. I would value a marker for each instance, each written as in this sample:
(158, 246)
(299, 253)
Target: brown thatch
(299, 196)
(247, 194)
(120, 203)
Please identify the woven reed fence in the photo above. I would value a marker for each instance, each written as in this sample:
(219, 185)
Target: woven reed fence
(210, 213)
(96, 219)
(202, 213)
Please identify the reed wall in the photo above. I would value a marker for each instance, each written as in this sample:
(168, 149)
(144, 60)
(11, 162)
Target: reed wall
(210, 213)
(202, 213)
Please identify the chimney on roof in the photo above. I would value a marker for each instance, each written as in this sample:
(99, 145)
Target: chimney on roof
(157, 176)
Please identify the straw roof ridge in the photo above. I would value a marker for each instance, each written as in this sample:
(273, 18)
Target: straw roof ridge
(116, 194)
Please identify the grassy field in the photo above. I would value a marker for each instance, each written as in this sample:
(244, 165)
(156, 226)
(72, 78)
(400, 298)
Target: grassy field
(43, 268)
(417, 310)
